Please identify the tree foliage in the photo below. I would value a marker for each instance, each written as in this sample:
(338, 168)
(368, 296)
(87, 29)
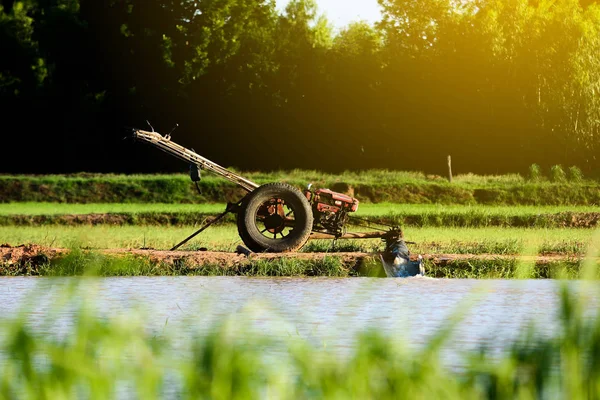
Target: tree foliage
(499, 84)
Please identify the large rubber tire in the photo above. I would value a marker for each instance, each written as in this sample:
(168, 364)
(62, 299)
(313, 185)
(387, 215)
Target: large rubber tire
(247, 224)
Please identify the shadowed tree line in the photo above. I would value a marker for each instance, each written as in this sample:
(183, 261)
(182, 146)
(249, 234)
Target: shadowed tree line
(498, 84)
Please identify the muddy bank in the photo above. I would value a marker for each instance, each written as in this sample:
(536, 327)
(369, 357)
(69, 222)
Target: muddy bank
(25, 259)
(38, 260)
(34, 254)
(118, 219)
(446, 219)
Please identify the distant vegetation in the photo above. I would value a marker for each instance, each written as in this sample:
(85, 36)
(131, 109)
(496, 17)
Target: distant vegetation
(374, 186)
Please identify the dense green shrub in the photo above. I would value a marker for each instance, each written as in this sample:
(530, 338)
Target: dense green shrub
(575, 175)
(557, 173)
(535, 173)
(368, 186)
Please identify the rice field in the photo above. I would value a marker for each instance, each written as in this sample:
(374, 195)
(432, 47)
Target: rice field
(225, 238)
(406, 215)
(365, 209)
(33, 208)
(435, 229)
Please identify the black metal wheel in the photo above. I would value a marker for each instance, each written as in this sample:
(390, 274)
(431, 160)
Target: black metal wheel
(275, 218)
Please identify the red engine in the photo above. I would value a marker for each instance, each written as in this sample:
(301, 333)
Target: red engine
(330, 210)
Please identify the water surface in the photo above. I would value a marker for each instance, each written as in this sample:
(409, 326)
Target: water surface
(326, 312)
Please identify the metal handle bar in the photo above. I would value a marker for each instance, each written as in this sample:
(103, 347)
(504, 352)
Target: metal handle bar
(191, 157)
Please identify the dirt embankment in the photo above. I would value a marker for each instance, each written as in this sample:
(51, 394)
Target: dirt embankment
(34, 253)
(27, 253)
(24, 259)
(558, 220)
(119, 219)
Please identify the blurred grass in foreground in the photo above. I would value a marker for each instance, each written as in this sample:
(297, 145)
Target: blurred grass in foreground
(104, 359)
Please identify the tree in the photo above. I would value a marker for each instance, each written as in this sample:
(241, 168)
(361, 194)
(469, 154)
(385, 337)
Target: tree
(22, 69)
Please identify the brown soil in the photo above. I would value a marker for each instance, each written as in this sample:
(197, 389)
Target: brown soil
(33, 255)
(10, 255)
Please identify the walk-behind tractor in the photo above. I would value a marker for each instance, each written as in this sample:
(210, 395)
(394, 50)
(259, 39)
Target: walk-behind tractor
(276, 217)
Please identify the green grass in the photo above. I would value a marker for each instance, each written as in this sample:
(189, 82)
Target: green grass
(374, 186)
(98, 357)
(391, 208)
(300, 176)
(88, 263)
(506, 269)
(33, 208)
(225, 238)
(437, 215)
(365, 210)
